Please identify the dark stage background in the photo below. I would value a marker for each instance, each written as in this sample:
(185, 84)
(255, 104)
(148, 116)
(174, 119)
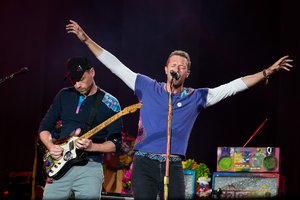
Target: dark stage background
(226, 39)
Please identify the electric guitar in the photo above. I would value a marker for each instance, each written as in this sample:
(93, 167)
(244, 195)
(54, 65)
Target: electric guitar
(57, 168)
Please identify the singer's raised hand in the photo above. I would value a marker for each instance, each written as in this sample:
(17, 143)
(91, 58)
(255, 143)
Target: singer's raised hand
(282, 63)
(73, 27)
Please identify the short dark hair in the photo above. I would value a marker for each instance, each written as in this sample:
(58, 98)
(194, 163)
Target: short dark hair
(182, 54)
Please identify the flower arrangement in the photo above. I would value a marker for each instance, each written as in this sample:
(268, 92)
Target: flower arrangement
(201, 169)
(127, 143)
(127, 181)
(117, 166)
(126, 159)
(121, 159)
(203, 179)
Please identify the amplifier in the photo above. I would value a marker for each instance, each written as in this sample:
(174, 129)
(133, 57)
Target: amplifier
(238, 185)
(248, 159)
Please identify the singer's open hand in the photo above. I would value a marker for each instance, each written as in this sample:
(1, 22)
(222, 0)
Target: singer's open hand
(73, 27)
(282, 63)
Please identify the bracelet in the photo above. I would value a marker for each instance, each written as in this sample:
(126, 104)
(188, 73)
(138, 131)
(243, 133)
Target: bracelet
(266, 77)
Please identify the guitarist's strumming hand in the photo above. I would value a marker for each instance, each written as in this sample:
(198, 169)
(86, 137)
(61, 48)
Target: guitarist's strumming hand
(56, 151)
(84, 144)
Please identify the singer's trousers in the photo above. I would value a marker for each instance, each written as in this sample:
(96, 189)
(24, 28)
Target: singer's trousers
(148, 179)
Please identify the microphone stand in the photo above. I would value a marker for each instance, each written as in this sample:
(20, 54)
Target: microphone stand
(169, 132)
(11, 76)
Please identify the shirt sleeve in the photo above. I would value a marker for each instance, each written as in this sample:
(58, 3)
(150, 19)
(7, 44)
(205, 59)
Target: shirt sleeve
(52, 115)
(226, 90)
(118, 68)
(114, 129)
(143, 82)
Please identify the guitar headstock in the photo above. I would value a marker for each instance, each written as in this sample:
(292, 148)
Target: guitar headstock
(132, 108)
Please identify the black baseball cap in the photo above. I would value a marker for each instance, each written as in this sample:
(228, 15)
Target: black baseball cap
(76, 67)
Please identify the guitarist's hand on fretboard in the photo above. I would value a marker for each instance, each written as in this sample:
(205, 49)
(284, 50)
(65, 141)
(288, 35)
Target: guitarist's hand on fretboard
(83, 144)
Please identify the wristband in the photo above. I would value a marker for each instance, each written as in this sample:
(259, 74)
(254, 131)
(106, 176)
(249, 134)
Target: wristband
(266, 77)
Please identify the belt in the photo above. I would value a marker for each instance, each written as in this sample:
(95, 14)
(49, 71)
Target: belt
(157, 157)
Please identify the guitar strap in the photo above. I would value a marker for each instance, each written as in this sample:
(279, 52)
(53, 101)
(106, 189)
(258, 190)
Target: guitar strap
(89, 122)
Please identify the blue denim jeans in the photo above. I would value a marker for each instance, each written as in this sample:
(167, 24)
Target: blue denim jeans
(148, 179)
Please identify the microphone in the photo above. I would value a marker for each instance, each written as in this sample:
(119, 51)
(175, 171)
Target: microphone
(21, 71)
(174, 74)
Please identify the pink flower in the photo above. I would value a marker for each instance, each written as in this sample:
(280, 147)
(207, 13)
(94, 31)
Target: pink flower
(127, 181)
(127, 176)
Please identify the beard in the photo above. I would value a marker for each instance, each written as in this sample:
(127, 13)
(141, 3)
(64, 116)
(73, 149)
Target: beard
(86, 90)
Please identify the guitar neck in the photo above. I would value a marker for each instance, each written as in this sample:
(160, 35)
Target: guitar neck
(98, 128)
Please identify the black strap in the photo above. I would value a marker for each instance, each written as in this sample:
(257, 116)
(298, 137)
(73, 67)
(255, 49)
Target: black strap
(89, 122)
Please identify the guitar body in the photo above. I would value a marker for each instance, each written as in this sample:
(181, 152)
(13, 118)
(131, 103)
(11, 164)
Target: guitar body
(70, 157)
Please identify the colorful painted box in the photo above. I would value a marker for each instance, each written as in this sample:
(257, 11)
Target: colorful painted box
(190, 182)
(244, 185)
(248, 159)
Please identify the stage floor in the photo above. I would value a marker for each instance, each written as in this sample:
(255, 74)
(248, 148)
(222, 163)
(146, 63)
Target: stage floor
(107, 195)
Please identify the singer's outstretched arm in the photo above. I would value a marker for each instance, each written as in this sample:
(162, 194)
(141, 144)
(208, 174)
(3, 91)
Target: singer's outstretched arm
(129, 76)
